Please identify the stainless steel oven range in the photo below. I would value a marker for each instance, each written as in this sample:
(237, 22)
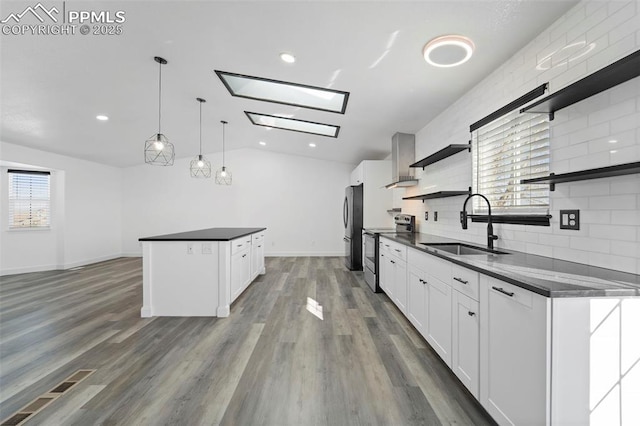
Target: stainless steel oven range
(404, 224)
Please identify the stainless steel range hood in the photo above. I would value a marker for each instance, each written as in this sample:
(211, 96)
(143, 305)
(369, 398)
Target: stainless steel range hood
(403, 154)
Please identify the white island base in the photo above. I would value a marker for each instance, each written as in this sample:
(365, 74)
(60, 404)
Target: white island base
(190, 278)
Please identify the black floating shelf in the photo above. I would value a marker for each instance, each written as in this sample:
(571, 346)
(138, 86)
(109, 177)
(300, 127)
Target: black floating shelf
(439, 194)
(442, 154)
(602, 172)
(606, 78)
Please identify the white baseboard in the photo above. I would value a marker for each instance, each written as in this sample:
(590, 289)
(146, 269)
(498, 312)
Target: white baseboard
(131, 254)
(89, 261)
(28, 269)
(42, 268)
(304, 254)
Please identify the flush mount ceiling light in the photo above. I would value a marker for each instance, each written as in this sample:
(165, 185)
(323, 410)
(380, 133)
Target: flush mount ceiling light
(287, 57)
(283, 92)
(312, 145)
(273, 121)
(448, 51)
(262, 143)
(102, 117)
(223, 176)
(158, 151)
(200, 167)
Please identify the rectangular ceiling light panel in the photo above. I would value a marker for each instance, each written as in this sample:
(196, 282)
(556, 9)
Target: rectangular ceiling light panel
(283, 92)
(292, 124)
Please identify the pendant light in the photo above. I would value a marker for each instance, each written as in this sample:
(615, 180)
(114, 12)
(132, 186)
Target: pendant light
(158, 151)
(223, 176)
(200, 167)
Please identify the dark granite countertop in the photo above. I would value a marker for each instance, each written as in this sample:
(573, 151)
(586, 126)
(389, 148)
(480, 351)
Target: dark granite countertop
(211, 234)
(543, 275)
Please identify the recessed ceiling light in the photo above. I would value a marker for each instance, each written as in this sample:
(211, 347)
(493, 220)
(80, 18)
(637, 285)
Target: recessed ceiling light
(448, 51)
(613, 151)
(287, 57)
(312, 145)
(613, 141)
(262, 143)
(102, 117)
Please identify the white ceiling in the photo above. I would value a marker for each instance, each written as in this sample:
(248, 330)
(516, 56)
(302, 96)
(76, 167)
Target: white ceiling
(52, 87)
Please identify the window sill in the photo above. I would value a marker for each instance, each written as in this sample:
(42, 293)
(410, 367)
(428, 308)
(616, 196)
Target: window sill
(514, 219)
(48, 228)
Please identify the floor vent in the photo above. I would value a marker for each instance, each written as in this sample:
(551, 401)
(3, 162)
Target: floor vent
(42, 401)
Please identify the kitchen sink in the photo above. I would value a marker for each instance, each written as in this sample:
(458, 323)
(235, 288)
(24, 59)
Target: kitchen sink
(462, 249)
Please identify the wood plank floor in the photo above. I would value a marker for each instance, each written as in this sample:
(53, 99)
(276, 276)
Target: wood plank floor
(272, 362)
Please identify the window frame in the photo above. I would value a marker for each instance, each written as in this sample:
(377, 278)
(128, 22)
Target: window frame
(11, 201)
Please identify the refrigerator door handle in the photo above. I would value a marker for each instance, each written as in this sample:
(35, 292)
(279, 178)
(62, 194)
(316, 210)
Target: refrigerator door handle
(345, 212)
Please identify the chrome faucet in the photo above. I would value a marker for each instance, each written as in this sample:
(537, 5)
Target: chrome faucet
(463, 220)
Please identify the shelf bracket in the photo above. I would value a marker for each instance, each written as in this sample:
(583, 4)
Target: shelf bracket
(552, 115)
(469, 146)
(552, 185)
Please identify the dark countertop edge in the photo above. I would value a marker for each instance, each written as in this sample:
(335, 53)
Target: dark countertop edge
(178, 237)
(613, 292)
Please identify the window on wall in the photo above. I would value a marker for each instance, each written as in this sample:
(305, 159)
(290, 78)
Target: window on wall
(506, 150)
(29, 199)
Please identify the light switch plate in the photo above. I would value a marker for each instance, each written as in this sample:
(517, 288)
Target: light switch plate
(570, 219)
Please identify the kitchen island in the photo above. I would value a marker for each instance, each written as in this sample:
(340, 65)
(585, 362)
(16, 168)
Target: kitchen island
(199, 273)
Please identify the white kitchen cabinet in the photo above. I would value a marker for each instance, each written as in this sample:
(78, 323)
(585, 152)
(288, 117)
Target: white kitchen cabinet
(439, 318)
(393, 272)
(513, 353)
(376, 199)
(257, 255)
(400, 284)
(465, 345)
(240, 271)
(417, 298)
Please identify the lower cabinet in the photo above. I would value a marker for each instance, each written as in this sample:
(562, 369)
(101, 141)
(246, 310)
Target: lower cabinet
(439, 318)
(240, 272)
(393, 272)
(417, 299)
(257, 255)
(465, 341)
(513, 353)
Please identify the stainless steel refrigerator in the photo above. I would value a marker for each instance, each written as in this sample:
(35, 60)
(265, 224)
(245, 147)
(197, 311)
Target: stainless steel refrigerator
(352, 217)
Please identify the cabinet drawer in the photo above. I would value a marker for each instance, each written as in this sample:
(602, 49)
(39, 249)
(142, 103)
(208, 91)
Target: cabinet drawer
(441, 269)
(240, 244)
(257, 237)
(396, 249)
(465, 281)
(510, 291)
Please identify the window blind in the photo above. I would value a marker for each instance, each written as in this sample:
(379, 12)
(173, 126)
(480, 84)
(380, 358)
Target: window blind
(29, 199)
(511, 148)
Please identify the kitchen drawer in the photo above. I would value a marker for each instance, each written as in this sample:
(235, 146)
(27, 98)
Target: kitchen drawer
(258, 237)
(465, 281)
(240, 244)
(441, 269)
(397, 249)
(510, 291)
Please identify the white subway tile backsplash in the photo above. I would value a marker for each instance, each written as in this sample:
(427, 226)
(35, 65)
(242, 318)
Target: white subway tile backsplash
(613, 202)
(579, 139)
(613, 232)
(626, 217)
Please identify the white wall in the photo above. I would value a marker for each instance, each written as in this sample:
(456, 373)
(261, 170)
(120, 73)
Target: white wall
(298, 199)
(610, 208)
(86, 214)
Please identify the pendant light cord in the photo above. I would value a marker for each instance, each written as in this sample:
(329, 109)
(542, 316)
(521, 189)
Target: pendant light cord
(160, 98)
(200, 128)
(223, 124)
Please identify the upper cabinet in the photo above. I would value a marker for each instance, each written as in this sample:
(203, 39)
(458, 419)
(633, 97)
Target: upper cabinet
(357, 175)
(373, 175)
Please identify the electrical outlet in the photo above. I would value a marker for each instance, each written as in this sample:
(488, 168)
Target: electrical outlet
(190, 248)
(435, 216)
(570, 219)
(426, 215)
(206, 248)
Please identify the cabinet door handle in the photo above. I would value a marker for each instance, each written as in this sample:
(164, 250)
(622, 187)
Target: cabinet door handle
(503, 291)
(244, 255)
(398, 250)
(393, 261)
(259, 246)
(239, 245)
(460, 280)
(381, 255)
(386, 245)
(471, 313)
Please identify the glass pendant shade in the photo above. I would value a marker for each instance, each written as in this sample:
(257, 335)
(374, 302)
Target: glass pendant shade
(200, 167)
(158, 151)
(223, 176)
